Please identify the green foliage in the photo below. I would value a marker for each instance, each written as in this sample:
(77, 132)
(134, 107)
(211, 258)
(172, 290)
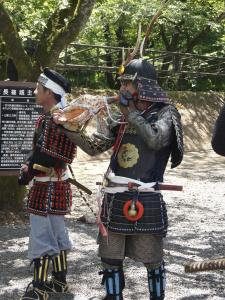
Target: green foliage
(127, 14)
(30, 16)
(185, 26)
(194, 26)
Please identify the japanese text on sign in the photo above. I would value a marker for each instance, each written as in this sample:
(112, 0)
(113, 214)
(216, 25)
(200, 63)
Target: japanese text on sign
(18, 113)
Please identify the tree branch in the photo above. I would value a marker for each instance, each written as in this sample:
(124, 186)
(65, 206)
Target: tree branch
(55, 22)
(68, 33)
(205, 31)
(175, 37)
(164, 37)
(153, 21)
(14, 44)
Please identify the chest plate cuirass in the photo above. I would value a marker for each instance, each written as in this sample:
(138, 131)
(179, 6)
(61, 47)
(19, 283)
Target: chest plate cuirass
(134, 158)
(51, 147)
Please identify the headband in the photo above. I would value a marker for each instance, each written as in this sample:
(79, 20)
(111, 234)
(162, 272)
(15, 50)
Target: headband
(54, 87)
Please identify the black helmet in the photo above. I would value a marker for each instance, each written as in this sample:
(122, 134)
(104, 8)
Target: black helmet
(143, 75)
(140, 68)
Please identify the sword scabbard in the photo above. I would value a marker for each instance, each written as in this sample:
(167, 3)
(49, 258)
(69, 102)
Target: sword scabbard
(170, 187)
(80, 186)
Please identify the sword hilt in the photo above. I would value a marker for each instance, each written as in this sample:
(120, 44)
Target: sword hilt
(49, 171)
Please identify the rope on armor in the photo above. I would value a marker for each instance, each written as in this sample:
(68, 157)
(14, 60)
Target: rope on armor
(205, 265)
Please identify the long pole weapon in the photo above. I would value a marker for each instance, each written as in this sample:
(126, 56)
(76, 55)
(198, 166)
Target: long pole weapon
(205, 265)
(151, 24)
(80, 192)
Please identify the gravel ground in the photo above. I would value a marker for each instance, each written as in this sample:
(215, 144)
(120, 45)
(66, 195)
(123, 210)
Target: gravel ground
(196, 232)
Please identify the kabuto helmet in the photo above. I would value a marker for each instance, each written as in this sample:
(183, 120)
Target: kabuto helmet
(143, 75)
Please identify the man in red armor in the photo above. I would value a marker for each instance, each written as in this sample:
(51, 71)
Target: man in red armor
(50, 196)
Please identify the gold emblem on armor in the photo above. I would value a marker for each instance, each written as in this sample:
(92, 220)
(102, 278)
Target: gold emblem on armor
(128, 155)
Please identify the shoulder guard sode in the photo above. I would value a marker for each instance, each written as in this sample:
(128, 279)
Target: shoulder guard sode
(55, 143)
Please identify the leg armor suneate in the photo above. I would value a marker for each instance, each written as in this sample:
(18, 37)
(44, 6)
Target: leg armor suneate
(157, 282)
(113, 279)
(59, 263)
(38, 292)
(58, 283)
(40, 270)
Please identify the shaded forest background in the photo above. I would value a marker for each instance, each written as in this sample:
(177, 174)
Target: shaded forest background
(37, 33)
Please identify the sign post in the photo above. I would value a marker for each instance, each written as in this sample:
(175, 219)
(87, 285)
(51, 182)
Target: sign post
(18, 112)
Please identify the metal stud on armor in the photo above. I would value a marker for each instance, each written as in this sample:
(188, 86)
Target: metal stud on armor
(55, 143)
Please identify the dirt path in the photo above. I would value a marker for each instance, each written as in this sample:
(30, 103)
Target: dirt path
(196, 232)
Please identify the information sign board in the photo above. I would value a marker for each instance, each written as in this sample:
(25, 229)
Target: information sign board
(18, 112)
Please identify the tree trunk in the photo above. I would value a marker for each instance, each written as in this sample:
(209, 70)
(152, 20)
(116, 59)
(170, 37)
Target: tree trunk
(56, 36)
(108, 57)
(12, 194)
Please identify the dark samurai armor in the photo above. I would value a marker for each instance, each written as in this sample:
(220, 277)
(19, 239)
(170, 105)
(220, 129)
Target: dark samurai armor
(153, 221)
(137, 160)
(51, 147)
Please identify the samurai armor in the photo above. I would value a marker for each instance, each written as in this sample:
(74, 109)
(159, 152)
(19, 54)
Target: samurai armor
(50, 198)
(157, 282)
(113, 279)
(153, 221)
(55, 143)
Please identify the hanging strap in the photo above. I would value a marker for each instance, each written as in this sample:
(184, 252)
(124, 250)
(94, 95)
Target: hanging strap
(116, 146)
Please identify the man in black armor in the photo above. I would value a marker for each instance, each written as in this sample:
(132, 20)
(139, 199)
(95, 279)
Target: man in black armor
(218, 139)
(50, 195)
(133, 213)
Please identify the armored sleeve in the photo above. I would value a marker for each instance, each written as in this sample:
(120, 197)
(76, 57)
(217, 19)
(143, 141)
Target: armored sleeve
(157, 134)
(92, 145)
(218, 138)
